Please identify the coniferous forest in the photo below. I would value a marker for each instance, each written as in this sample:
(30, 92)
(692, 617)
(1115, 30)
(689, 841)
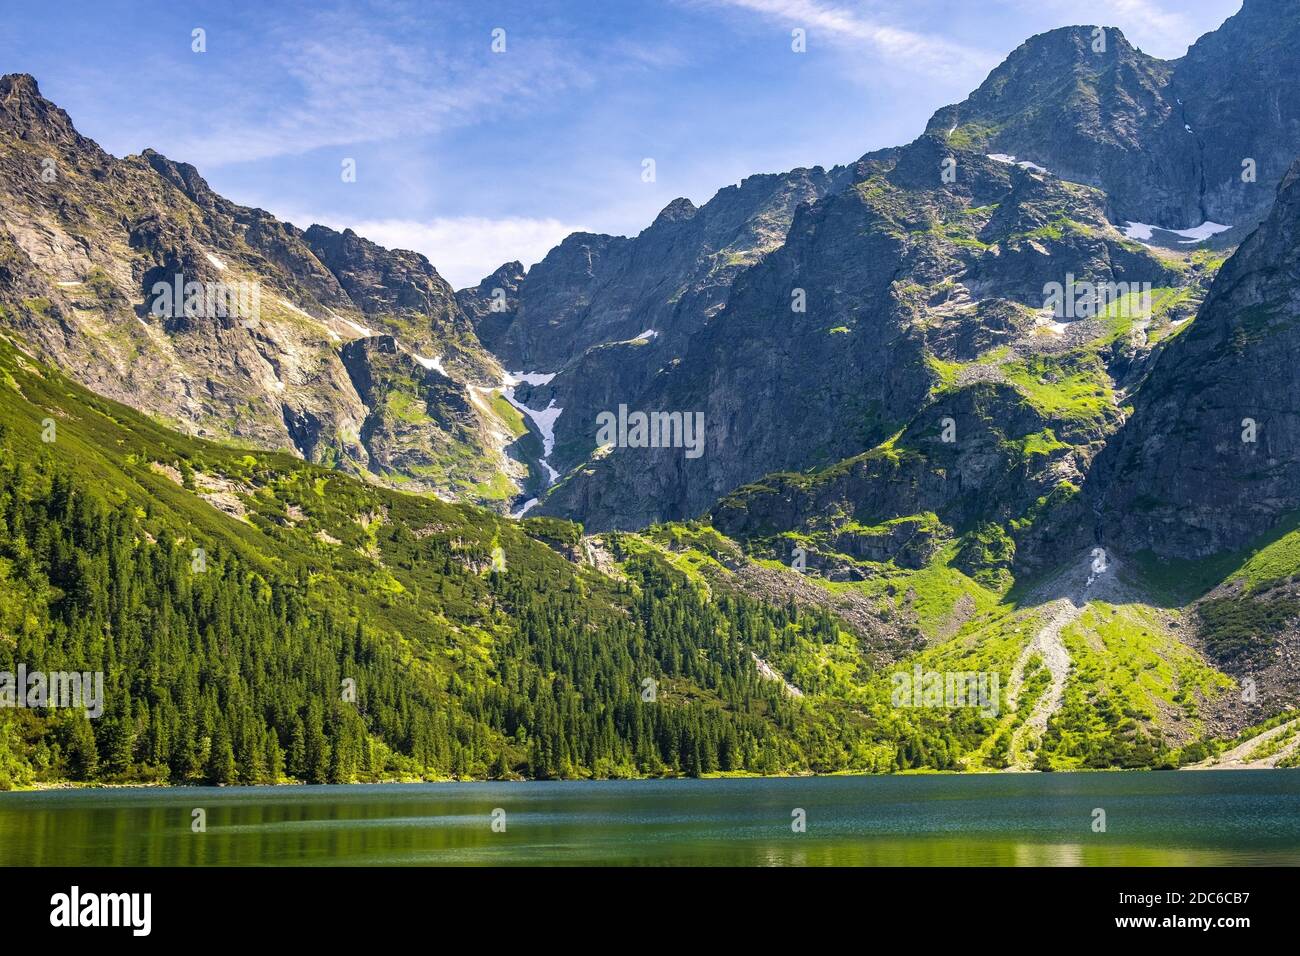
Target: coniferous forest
(229, 646)
(258, 619)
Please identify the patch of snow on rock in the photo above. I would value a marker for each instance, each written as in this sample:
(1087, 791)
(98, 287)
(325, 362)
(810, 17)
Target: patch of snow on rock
(1143, 231)
(293, 308)
(544, 419)
(1023, 164)
(512, 379)
(434, 363)
(1201, 232)
(359, 329)
(545, 422)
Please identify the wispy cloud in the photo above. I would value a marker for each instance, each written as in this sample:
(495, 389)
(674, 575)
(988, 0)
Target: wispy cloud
(353, 83)
(464, 249)
(906, 49)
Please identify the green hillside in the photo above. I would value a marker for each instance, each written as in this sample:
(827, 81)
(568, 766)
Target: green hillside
(231, 597)
(228, 595)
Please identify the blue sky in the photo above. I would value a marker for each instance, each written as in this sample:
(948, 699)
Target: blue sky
(474, 157)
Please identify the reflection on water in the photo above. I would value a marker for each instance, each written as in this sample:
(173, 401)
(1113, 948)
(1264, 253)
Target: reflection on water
(1188, 818)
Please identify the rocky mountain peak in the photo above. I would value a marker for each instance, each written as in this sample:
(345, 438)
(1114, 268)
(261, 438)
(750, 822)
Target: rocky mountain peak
(379, 280)
(679, 210)
(183, 176)
(26, 114)
(512, 270)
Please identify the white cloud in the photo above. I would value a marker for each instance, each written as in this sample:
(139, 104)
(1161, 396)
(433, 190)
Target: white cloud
(464, 249)
(906, 49)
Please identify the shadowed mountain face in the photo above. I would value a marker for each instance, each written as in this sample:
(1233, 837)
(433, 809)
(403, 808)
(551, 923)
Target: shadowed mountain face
(86, 239)
(1085, 104)
(843, 335)
(593, 289)
(1211, 456)
(856, 296)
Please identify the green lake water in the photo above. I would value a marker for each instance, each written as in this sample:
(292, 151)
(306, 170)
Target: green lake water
(1184, 818)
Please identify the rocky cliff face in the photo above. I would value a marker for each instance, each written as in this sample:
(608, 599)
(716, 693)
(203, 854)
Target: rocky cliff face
(818, 322)
(425, 430)
(835, 340)
(1239, 87)
(906, 278)
(1211, 456)
(593, 289)
(601, 316)
(492, 304)
(402, 293)
(1166, 140)
(86, 238)
(1083, 103)
(976, 455)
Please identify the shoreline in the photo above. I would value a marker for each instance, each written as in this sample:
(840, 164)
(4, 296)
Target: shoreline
(68, 785)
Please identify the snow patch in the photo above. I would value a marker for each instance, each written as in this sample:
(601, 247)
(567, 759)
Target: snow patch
(1023, 164)
(544, 419)
(1201, 232)
(1143, 231)
(648, 334)
(216, 263)
(293, 308)
(511, 379)
(1048, 320)
(434, 363)
(527, 506)
(359, 329)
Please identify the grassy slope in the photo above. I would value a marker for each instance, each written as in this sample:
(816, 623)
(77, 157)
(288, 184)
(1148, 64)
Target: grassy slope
(1136, 696)
(338, 531)
(366, 554)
